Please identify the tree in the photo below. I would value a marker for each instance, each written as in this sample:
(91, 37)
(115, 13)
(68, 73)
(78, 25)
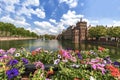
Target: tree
(8, 29)
(116, 32)
(97, 32)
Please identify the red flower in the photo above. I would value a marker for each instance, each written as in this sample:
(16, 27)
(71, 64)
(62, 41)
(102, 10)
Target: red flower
(60, 52)
(76, 79)
(50, 72)
(77, 51)
(113, 70)
(101, 48)
(34, 53)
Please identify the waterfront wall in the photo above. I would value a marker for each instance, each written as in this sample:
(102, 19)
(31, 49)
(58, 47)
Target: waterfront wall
(111, 43)
(15, 38)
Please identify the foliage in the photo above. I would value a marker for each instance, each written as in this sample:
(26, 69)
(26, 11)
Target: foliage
(10, 30)
(98, 31)
(70, 65)
(47, 37)
(102, 31)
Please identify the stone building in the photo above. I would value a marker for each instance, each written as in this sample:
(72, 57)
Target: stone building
(75, 33)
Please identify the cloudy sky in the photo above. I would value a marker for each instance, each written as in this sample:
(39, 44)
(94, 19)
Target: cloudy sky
(52, 16)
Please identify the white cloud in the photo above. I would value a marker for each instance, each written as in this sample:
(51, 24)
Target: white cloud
(11, 2)
(40, 31)
(52, 20)
(40, 13)
(45, 27)
(53, 31)
(70, 18)
(10, 8)
(71, 3)
(9, 5)
(71, 15)
(25, 11)
(18, 22)
(116, 23)
(31, 3)
(29, 11)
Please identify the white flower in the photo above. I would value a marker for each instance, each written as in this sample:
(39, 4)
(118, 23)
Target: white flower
(5, 55)
(75, 66)
(51, 52)
(56, 61)
(17, 54)
(92, 78)
(59, 56)
(45, 51)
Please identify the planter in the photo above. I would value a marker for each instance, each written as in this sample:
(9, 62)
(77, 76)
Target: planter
(30, 68)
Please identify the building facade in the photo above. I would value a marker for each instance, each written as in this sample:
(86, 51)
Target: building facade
(75, 33)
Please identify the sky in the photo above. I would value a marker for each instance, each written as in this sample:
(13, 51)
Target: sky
(53, 16)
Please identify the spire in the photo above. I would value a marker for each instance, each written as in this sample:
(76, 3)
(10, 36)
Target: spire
(81, 19)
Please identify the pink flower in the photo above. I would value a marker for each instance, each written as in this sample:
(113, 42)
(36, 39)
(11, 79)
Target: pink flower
(11, 50)
(39, 65)
(73, 59)
(97, 65)
(38, 49)
(66, 54)
(94, 66)
(2, 51)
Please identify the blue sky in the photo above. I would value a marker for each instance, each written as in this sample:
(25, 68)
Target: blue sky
(52, 16)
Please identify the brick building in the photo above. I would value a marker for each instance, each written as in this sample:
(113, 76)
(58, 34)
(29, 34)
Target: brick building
(75, 33)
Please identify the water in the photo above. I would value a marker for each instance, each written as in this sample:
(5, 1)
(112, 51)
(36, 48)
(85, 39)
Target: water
(30, 44)
(54, 45)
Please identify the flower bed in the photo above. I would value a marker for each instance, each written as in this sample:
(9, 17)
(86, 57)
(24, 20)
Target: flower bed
(63, 64)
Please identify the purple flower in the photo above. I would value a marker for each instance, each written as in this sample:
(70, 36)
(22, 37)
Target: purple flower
(25, 61)
(12, 73)
(68, 49)
(11, 50)
(13, 62)
(117, 63)
(79, 56)
(108, 60)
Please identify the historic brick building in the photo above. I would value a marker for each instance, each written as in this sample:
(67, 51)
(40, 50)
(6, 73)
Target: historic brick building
(76, 33)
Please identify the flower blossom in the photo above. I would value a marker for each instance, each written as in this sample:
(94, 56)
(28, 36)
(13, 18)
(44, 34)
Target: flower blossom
(115, 72)
(2, 51)
(97, 65)
(12, 73)
(11, 50)
(39, 65)
(79, 56)
(65, 54)
(13, 62)
(56, 61)
(25, 61)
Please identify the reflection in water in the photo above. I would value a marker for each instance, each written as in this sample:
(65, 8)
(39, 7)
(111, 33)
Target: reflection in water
(54, 44)
(30, 44)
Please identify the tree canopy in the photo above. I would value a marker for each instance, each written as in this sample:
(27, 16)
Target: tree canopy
(10, 30)
(102, 31)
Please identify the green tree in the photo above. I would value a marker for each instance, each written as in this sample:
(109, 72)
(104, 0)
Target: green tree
(97, 32)
(116, 32)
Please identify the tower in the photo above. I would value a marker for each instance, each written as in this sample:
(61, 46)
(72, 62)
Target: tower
(80, 31)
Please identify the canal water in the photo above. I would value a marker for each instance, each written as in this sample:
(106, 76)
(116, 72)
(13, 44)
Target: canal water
(55, 44)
